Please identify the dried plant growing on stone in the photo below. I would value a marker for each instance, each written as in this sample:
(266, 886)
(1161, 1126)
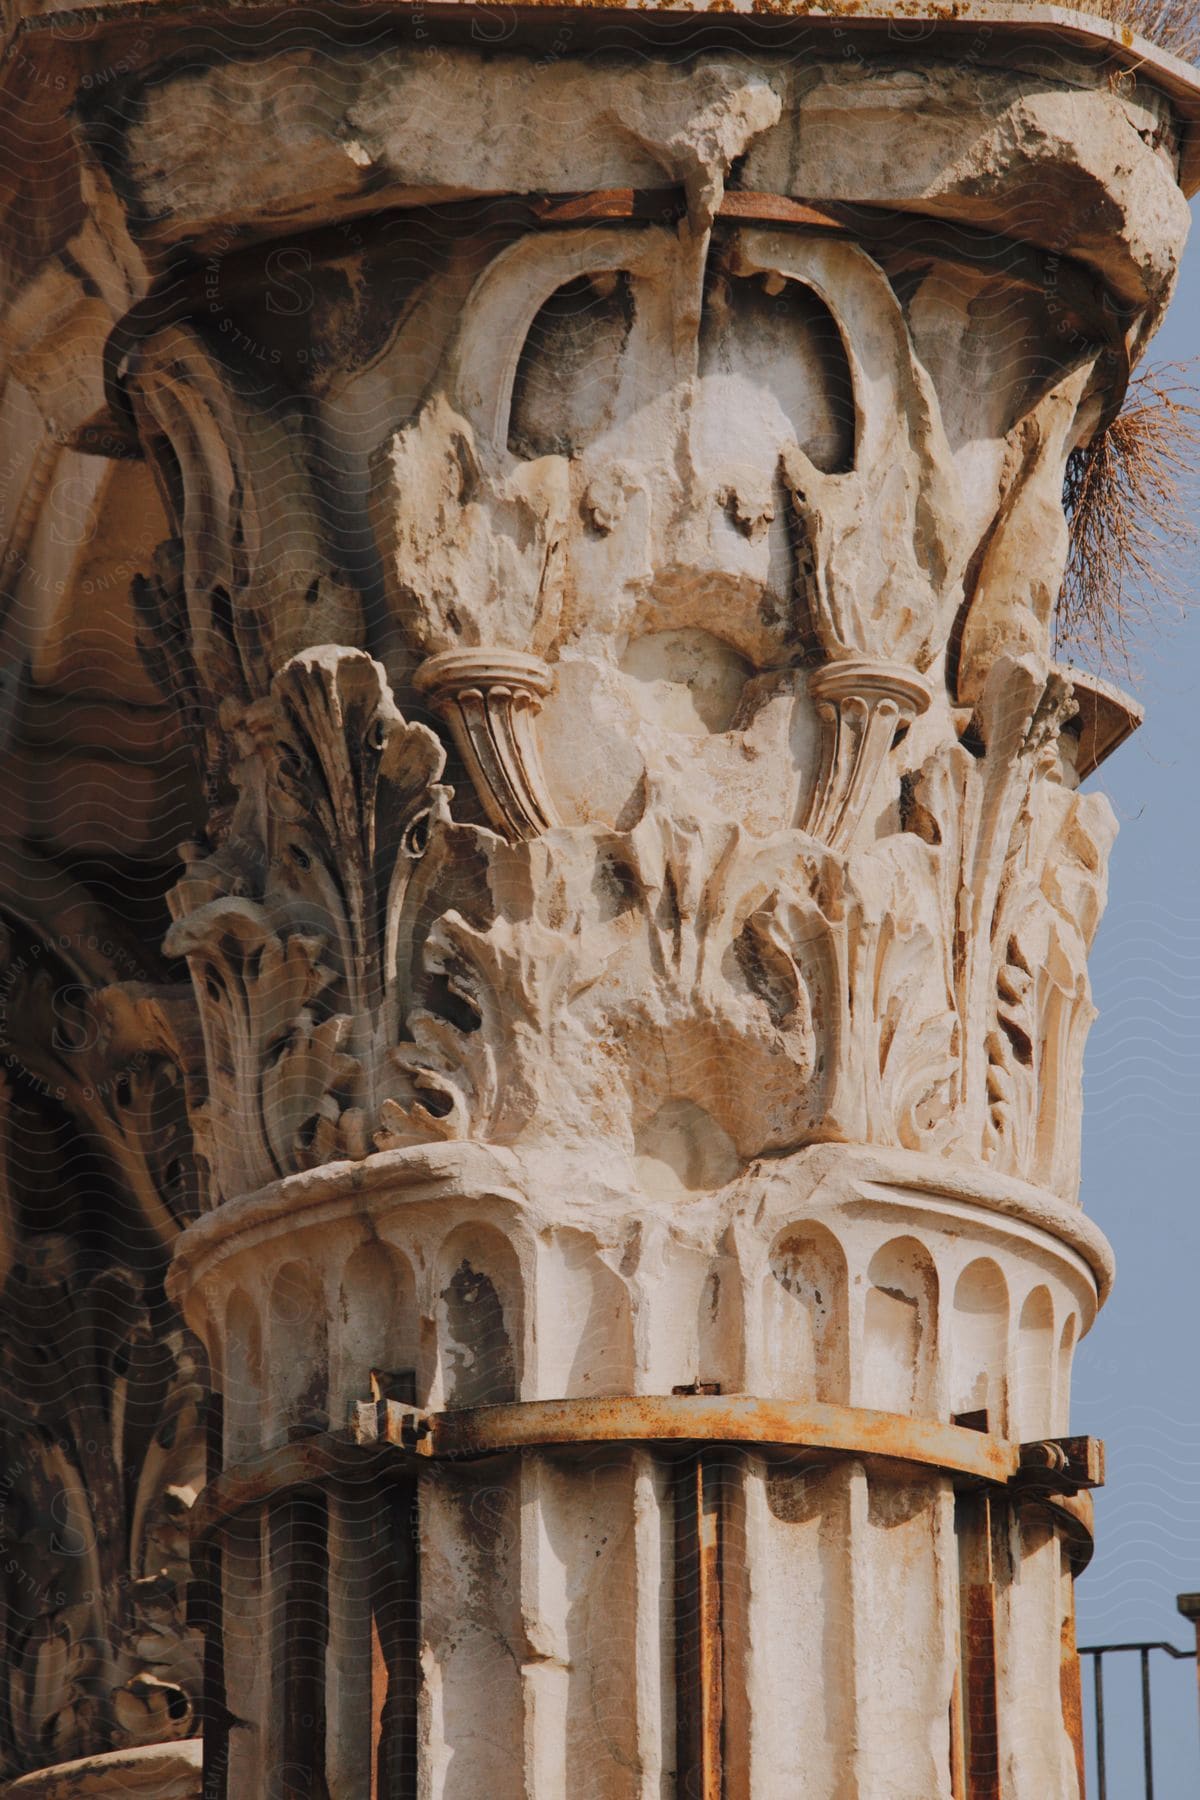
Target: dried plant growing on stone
(1126, 495)
(1175, 24)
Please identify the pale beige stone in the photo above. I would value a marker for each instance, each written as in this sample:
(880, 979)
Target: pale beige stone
(169, 1774)
(637, 894)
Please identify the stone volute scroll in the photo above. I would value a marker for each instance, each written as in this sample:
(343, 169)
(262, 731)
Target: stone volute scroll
(490, 592)
(884, 549)
(230, 453)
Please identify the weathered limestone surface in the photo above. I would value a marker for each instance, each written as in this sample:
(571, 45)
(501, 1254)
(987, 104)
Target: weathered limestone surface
(161, 1774)
(567, 530)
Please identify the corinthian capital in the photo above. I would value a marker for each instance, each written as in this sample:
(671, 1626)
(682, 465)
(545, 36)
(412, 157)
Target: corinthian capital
(636, 904)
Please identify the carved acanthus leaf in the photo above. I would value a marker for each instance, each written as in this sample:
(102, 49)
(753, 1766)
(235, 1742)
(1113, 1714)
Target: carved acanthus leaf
(619, 970)
(351, 790)
(1020, 884)
(294, 925)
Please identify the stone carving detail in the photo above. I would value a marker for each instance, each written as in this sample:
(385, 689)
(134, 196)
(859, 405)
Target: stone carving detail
(489, 700)
(680, 476)
(478, 533)
(862, 706)
(101, 1389)
(679, 960)
(293, 926)
(250, 582)
(370, 973)
(124, 1057)
(849, 955)
(884, 551)
(793, 993)
(1023, 884)
(103, 1462)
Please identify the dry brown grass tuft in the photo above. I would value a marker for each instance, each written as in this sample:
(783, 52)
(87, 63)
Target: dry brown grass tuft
(1126, 496)
(1175, 24)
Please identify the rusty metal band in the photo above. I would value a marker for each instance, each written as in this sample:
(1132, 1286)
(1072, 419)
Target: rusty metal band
(313, 1462)
(718, 1419)
(1073, 1515)
(408, 1437)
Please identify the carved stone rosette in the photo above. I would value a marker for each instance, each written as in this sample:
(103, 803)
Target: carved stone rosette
(631, 1206)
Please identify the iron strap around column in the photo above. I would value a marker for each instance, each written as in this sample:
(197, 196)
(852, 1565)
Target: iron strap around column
(391, 1439)
(1048, 1473)
(702, 1418)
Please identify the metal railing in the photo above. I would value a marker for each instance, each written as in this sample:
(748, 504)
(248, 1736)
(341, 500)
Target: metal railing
(1189, 1606)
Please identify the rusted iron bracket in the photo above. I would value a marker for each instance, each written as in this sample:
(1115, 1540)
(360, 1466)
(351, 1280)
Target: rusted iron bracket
(1061, 1465)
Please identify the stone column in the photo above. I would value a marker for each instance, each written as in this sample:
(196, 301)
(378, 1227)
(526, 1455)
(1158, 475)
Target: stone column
(640, 936)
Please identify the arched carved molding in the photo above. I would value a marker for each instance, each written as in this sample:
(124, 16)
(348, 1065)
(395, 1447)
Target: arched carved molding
(978, 1330)
(480, 1318)
(623, 1301)
(806, 1319)
(375, 1328)
(901, 1332)
(1033, 1388)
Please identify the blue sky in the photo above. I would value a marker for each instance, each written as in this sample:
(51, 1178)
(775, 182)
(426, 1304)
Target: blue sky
(1136, 1375)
